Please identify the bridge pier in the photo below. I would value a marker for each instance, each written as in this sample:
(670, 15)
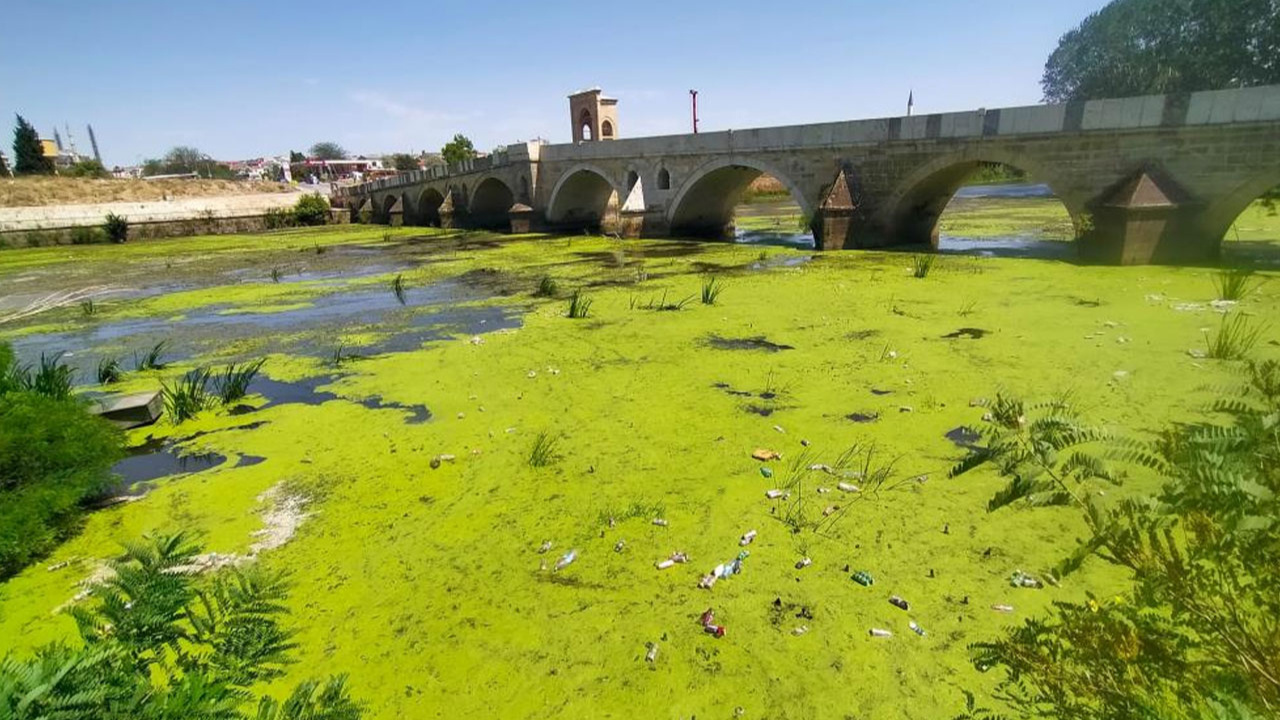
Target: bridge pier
(1146, 220)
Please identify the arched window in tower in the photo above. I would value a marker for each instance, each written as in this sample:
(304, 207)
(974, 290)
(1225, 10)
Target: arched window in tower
(584, 122)
(606, 129)
(664, 179)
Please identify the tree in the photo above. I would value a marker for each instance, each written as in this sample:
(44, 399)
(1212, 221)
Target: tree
(404, 162)
(1142, 47)
(327, 151)
(296, 157)
(184, 159)
(28, 154)
(1195, 635)
(87, 169)
(458, 149)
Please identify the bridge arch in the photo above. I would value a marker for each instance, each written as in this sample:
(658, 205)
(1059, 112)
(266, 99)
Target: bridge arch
(914, 208)
(490, 202)
(584, 198)
(705, 202)
(384, 208)
(429, 202)
(1223, 212)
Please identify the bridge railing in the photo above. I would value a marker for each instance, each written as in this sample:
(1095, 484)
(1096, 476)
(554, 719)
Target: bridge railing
(435, 172)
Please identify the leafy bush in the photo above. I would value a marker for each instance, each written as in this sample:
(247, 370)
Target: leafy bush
(116, 228)
(277, 218)
(53, 455)
(163, 642)
(1194, 636)
(87, 169)
(88, 236)
(311, 210)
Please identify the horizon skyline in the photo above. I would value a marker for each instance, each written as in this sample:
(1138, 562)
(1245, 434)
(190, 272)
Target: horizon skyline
(259, 94)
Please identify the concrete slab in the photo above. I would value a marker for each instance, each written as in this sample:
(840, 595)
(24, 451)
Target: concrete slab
(130, 411)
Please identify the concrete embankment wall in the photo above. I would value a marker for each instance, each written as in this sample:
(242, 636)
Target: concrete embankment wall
(66, 224)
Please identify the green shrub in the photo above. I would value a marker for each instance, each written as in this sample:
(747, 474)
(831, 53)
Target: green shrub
(53, 455)
(277, 218)
(311, 210)
(88, 236)
(116, 228)
(87, 169)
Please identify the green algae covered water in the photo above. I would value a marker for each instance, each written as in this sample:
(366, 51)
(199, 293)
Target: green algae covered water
(422, 546)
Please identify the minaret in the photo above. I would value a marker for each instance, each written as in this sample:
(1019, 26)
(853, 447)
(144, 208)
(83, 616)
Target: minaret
(94, 142)
(57, 139)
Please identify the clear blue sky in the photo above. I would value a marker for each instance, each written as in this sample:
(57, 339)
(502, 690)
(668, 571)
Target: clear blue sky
(243, 78)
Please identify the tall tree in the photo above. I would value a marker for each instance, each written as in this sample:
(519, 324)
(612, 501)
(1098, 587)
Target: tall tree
(28, 155)
(327, 151)
(1140, 47)
(184, 159)
(404, 162)
(458, 149)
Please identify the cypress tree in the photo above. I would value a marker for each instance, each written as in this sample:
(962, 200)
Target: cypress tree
(28, 155)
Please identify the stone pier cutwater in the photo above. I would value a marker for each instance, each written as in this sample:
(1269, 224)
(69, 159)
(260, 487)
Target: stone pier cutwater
(1156, 179)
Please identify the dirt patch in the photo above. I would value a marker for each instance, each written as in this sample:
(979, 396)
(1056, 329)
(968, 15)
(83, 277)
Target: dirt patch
(41, 191)
(863, 417)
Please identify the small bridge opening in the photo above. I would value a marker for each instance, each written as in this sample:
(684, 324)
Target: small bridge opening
(584, 201)
(1253, 237)
(744, 204)
(986, 208)
(490, 203)
(429, 203)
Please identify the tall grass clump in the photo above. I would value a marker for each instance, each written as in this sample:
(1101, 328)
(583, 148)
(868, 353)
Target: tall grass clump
(543, 452)
(397, 288)
(1233, 284)
(188, 397)
(233, 383)
(579, 305)
(711, 289)
(547, 287)
(1235, 337)
(88, 307)
(109, 371)
(921, 265)
(52, 379)
(153, 359)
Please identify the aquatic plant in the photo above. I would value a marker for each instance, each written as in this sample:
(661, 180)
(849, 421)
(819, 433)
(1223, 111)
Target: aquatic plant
(88, 308)
(1234, 339)
(188, 397)
(233, 383)
(711, 289)
(341, 355)
(397, 288)
(52, 378)
(387, 236)
(153, 359)
(921, 265)
(579, 305)
(109, 371)
(1233, 284)
(966, 308)
(543, 452)
(275, 274)
(662, 305)
(859, 473)
(547, 287)
(320, 249)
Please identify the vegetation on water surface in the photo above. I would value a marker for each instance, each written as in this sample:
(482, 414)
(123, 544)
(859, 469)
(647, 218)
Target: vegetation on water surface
(53, 455)
(651, 421)
(579, 305)
(1193, 636)
(161, 641)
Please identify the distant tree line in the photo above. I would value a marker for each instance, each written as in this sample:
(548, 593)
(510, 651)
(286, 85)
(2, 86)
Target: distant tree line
(1151, 47)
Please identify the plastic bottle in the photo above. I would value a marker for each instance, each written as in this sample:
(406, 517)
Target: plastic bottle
(803, 563)
(880, 632)
(862, 577)
(747, 538)
(916, 628)
(566, 560)
(898, 602)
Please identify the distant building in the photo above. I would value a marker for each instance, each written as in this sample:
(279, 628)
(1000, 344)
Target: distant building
(594, 116)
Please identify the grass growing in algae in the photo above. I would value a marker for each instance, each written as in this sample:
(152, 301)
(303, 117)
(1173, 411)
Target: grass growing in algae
(421, 576)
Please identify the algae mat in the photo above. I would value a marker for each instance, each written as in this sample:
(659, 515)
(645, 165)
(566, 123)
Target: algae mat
(421, 575)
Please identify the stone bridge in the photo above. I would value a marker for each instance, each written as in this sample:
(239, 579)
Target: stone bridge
(1157, 179)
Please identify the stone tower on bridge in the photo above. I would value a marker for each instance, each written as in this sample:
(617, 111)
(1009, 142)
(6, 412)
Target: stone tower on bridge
(594, 116)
